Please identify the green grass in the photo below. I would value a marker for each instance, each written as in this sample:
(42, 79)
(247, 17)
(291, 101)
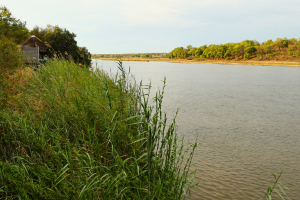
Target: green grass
(81, 134)
(281, 192)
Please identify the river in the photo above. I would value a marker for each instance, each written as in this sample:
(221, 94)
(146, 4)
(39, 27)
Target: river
(246, 118)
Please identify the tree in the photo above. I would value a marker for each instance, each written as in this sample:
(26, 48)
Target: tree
(189, 47)
(191, 52)
(12, 28)
(250, 50)
(198, 52)
(237, 49)
(146, 55)
(62, 43)
(39, 33)
(281, 43)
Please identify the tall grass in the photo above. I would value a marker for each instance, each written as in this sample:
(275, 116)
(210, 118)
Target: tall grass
(81, 134)
(11, 59)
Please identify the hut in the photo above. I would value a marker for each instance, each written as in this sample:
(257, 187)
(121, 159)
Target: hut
(34, 50)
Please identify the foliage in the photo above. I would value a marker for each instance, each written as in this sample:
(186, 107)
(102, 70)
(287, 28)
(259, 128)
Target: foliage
(10, 60)
(62, 42)
(10, 56)
(12, 28)
(146, 55)
(80, 134)
(272, 188)
(247, 49)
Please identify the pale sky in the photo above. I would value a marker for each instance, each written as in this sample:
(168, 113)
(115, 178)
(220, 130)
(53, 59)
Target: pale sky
(138, 26)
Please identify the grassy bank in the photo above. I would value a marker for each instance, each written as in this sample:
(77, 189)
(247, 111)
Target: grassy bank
(225, 62)
(77, 134)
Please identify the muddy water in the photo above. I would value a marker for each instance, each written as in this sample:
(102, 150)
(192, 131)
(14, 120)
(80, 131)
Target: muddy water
(247, 119)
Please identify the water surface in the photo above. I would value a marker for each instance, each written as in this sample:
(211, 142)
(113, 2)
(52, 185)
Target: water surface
(247, 119)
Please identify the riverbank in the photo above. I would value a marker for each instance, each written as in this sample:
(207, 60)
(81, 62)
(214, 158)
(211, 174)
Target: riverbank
(75, 134)
(224, 62)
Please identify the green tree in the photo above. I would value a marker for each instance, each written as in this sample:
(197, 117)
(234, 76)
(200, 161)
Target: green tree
(237, 50)
(12, 28)
(146, 55)
(250, 50)
(39, 33)
(62, 42)
(245, 49)
(268, 46)
(191, 52)
(280, 43)
(198, 52)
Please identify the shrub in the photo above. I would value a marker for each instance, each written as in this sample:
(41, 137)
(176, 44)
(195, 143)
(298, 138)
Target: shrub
(10, 59)
(250, 50)
(291, 48)
(10, 56)
(247, 56)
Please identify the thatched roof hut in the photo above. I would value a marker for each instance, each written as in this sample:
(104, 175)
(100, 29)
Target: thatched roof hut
(34, 49)
(33, 41)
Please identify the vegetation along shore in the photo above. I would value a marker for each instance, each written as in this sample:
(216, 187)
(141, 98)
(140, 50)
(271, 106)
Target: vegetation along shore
(225, 62)
(68, 131)
(283, 52)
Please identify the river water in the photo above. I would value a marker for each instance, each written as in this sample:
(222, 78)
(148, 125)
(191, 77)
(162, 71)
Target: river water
(246, 118)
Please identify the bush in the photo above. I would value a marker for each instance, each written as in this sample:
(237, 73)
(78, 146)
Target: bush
(247, 56)
(250, 50)
(10, 56)
(10, 59)
(291, 48)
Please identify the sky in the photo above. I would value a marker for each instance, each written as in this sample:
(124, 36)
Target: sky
(138, 26)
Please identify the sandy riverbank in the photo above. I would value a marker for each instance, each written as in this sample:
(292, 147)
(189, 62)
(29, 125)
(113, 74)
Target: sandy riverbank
(225, 62)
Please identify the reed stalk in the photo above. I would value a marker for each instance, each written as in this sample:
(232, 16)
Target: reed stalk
(82, 134)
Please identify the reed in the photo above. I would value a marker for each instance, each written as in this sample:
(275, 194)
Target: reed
(281, 191)
(81, 134)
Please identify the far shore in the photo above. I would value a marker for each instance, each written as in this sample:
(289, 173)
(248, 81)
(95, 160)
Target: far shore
(225, 62)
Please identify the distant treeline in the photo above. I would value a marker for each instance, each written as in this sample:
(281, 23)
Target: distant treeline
(281, 49)
(131, 55)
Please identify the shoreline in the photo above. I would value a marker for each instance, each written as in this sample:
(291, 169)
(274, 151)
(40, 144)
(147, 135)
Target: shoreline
(224, 62)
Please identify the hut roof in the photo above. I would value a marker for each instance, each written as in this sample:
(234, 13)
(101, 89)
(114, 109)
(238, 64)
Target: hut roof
(33, 41)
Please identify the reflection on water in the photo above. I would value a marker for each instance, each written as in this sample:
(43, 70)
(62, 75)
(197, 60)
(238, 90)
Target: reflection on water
(247, 119)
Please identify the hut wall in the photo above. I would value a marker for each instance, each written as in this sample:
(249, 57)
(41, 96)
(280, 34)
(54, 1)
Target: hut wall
(31, 54)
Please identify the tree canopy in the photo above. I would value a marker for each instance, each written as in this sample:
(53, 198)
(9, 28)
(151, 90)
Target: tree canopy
(243, 50)
(12, 28)
(60, 41)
